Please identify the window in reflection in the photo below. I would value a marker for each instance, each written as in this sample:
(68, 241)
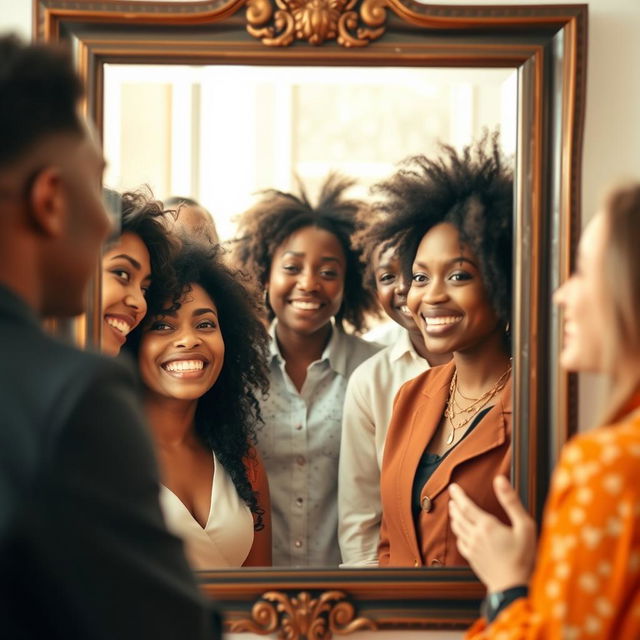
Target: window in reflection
(219, 134)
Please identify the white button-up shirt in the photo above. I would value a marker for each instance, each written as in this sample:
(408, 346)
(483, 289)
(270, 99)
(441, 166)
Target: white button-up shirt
(367, 411)
(300, 446)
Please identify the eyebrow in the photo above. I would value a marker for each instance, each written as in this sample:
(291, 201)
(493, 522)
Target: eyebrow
(450, 262)
(134, 263)
(195, 314)
(201, 312)
(298, 254)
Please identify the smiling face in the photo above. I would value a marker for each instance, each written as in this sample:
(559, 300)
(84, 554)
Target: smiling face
(126, 276)
(392, 288)
(447, 298)
(583, 301)
(182, 352)
(306, 281)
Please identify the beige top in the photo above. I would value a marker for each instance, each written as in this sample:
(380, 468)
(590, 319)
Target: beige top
(367, 411)
(226, 539)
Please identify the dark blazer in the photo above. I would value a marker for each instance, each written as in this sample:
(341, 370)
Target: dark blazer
(84, 552)
(473, 463)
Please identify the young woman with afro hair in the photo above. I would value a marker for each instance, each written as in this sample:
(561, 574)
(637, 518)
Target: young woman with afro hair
(451, 219)
(311, 275)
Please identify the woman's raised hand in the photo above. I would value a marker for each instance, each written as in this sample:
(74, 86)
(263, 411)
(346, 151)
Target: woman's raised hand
(502, 556)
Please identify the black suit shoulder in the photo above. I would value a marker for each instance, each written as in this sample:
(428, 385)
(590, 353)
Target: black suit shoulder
(84, 552)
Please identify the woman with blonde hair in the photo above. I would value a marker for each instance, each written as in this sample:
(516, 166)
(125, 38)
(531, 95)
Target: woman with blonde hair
(585, 581)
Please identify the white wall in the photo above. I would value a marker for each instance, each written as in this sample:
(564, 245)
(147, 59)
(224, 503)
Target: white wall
(15, 15)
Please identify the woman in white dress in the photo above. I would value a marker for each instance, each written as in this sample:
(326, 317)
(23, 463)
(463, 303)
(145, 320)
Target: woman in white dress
(202, 359)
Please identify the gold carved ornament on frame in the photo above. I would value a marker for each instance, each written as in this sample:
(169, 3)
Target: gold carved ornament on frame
(278, 23)
(302, 617)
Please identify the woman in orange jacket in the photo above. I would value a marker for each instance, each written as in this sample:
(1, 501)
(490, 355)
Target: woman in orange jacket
(452, 221)
(586, 578)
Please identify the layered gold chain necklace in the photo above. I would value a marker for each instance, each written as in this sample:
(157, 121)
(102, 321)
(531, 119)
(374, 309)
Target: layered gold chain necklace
(453, 411)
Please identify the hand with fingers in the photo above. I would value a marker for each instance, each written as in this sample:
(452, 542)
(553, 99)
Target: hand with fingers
(502, 556)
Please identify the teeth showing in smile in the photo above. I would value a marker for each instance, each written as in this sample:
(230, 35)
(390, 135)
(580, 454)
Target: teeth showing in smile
(184, 365)
(306, 306)
(441, 321)
(405, 310)
(120, 325)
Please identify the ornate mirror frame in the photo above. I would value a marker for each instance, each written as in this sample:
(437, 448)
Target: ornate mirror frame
(547, 46)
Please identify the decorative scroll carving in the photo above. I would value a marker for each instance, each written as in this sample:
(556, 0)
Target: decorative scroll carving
(302, 617)
(316, 21)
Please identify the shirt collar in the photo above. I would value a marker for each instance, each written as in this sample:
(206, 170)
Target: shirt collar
(335, 352)
(14, 306)
(403, 346)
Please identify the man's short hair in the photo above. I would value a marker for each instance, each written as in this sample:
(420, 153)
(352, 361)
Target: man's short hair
(39, 93)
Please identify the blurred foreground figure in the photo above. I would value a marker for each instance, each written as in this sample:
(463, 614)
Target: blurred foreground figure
(83, 549)
(584, 581)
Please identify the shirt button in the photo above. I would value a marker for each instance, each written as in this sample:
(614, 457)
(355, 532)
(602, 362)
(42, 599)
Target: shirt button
(426, 504)
(298, 543)
(300, 460)
(299, 501)
(298, 427)
(435, 562)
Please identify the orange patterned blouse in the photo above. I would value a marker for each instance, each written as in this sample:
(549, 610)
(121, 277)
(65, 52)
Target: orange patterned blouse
(586, 583)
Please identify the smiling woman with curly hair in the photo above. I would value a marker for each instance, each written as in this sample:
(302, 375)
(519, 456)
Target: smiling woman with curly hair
(132, 265)
(202, 358)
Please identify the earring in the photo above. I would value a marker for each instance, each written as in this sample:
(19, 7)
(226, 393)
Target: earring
(507, 328)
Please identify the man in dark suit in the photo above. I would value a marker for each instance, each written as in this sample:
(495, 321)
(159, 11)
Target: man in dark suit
(83, 549)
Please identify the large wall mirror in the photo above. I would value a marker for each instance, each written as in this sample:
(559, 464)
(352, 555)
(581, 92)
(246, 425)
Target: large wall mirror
(217, 100)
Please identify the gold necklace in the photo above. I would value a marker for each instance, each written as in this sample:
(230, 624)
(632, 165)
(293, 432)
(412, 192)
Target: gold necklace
(474, 408)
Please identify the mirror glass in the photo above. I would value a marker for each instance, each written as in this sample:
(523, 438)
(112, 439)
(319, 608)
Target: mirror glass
(219, 134)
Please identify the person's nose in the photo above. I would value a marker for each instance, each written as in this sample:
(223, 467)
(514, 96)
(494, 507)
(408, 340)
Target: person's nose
(187, 338)
(307, 280)
(402, 286)
(559, 295)
(136, 300)
(435, 292)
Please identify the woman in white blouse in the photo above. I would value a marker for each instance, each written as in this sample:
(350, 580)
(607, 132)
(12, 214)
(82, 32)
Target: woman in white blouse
(312, 279)
(368, 402)
(202, 359)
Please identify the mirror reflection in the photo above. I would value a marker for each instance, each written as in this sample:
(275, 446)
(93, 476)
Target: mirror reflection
(279, 164)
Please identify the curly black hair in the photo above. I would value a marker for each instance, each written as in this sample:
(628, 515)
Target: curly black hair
(143, 216)
(368, 241)
(229, 413)
(472, 190)
(264, 227)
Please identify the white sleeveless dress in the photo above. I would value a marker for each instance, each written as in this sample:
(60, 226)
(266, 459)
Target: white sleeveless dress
(226, 539)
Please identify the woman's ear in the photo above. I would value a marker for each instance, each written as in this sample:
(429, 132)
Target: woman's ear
(47, 202)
